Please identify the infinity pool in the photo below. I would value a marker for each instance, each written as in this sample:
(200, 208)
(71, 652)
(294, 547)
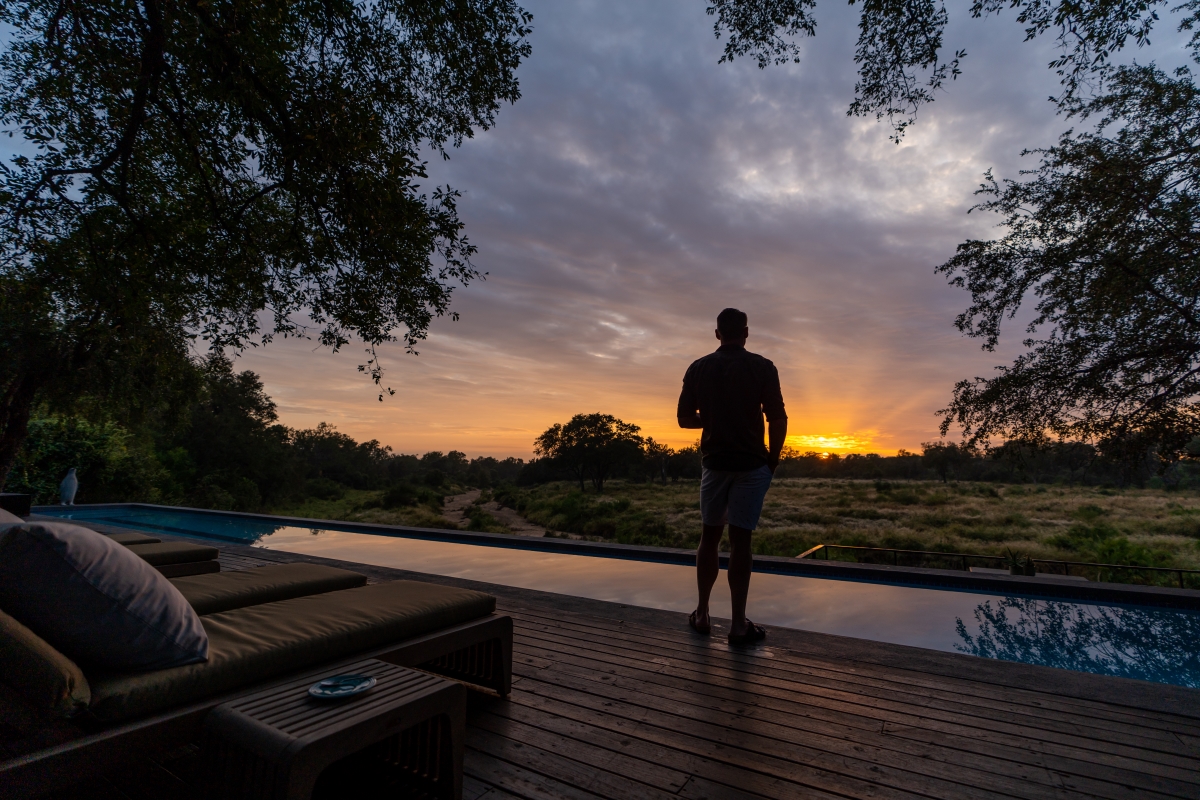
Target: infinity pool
(1149, 643)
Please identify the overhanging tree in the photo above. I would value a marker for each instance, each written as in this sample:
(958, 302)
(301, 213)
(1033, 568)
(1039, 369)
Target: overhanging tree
(1102, 234)
(900, 49)
(230, 170)
(1103, 238)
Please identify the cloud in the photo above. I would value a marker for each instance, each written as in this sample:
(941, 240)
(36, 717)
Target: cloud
(638, 187)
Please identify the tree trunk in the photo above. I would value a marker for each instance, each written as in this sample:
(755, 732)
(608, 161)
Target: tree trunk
(16, 406)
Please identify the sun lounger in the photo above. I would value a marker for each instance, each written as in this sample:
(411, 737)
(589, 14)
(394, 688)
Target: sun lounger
(224, 591)
(452, 632)
(176, 559)
(132, 538)
(173, 559)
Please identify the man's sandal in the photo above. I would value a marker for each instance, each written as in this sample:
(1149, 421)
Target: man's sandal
(754, 633)
(704, 630)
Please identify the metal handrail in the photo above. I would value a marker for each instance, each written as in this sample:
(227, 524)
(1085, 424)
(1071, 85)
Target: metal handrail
(1065, 565)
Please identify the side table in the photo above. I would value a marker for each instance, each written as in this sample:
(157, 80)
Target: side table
(403, 737)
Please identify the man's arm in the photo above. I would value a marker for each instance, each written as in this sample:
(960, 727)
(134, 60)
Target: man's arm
(687, 411)
(776, 434)
(772, 406)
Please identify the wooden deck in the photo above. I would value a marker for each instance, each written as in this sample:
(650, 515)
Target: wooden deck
(611, 701)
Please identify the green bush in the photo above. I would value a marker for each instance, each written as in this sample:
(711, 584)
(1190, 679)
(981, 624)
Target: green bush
(1120, 550)
(481, 521)
(1089, 512)
(112, 466)
(225, 492)
(1080, 537)
(324, 489)
(403, 494)
(587, 515)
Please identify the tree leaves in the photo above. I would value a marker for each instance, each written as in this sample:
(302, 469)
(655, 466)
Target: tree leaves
(227, 171)
(591, 445)
(899, 49)
(1104, 235)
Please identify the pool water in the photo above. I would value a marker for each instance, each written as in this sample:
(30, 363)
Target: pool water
(1144, 642)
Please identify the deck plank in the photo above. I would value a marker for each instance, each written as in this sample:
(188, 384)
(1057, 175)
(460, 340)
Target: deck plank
(1114, 741)
(897, 723)
(612, 702)
(999, 754)
(987, 695)
(985, 762)
(848, 759)
(583, 751)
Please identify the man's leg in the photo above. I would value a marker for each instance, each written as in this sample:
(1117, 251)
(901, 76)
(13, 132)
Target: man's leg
(741, 561)
(708, 566)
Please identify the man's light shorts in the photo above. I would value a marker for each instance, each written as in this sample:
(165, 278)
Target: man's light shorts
(735, 498)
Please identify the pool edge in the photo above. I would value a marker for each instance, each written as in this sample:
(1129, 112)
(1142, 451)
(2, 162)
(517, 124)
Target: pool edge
(1127, 594)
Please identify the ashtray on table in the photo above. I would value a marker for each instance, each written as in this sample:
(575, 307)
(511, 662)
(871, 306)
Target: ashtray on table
(340, 686)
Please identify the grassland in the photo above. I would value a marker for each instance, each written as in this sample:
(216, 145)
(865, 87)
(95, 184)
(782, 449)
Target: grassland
(369, 506)
(1144, 527)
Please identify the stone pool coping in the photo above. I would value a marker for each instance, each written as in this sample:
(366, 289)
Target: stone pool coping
(838, 570)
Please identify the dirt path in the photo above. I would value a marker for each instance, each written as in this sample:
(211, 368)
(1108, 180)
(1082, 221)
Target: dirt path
(456, 506)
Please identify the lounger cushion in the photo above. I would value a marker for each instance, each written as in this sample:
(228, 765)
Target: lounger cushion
(211, 594)
(43, 677)
(132, 538)
(8, 516)
(248, 645)
(94, 600)
(159, 554)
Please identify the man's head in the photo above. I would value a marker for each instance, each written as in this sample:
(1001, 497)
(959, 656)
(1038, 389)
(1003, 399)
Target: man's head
(731, 327)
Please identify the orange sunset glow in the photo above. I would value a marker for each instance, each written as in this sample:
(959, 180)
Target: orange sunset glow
(634, 191)
(831, 443)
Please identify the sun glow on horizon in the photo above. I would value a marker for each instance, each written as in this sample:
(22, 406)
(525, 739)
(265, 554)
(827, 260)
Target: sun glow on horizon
(829, 443)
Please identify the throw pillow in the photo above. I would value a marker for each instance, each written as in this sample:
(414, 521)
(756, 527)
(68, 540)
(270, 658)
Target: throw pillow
(94, 600)
(41, 676)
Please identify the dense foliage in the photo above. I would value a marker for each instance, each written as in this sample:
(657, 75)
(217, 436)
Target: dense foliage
(1103, 236)
(592, 446)
(901, 64)
(230, 452)
(201, 167)
(599, 447)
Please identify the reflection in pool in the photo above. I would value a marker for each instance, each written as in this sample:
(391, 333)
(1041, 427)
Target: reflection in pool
(1111, 640)
(1155, 644)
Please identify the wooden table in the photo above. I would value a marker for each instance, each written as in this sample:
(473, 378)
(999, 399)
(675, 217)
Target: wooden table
(402, 737)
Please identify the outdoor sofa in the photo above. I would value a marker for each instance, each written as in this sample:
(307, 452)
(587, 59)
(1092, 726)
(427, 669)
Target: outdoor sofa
(263, 626)
(173, 559)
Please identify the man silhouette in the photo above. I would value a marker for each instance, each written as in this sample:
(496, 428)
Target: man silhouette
(727, 393)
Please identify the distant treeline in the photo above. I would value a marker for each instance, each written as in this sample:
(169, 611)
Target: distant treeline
(1012, 462)
(227, 450)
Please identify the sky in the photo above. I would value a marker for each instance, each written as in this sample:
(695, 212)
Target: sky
(638, 187)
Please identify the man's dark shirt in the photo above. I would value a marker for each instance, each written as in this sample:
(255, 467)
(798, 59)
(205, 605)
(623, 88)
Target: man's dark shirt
(732, 389)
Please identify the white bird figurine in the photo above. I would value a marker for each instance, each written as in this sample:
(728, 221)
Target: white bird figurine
(68, 488)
